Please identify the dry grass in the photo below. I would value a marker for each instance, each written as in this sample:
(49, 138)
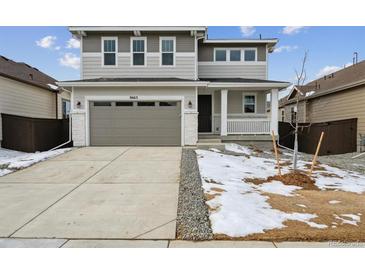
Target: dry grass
(217, 189)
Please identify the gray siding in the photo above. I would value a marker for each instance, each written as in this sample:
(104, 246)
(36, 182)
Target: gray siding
(207, 68)
(184, 68)
(215, 70)
(206, 51)
(25, 100)
(235, 103)
(184, 41)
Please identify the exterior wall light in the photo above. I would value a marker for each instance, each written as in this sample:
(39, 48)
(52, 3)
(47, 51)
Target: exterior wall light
(190, 104)
(78, 104)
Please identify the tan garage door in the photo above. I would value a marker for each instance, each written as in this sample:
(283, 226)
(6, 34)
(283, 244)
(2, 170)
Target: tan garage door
(135, 123)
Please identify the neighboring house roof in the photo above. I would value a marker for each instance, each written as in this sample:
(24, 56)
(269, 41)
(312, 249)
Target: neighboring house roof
(25, 73)
(338, 81)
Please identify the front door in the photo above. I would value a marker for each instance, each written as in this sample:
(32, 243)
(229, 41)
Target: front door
(205, 113)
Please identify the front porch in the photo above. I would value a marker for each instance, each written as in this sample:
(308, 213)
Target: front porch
(247, 113)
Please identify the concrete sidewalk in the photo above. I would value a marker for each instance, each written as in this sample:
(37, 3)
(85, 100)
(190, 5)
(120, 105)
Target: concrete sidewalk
(64, 243)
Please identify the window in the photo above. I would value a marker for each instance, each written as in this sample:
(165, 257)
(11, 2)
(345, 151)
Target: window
(283, 115)
(250, 55)
(65, 109)
(293, 112)
(102, 104)
(220, 55)
(168, 104)
(235, 55)
(249, 104)
(138, 51)
(146, 104)
(109, 45)
(167, 51)
(124, 104)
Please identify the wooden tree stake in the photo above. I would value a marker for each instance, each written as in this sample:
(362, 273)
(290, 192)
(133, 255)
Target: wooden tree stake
(316, 154)
(276, 152)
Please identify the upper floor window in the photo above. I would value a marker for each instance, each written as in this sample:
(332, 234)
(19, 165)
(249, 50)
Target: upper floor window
(110, 46)
(250, 55)
(249, 104)
(138, 51)
(167, 45)
(235, 54)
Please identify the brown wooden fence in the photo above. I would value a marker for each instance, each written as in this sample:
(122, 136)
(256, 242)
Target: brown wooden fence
(33, 134)
(339, 137)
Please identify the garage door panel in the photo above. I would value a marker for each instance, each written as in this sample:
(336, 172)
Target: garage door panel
(137, 125)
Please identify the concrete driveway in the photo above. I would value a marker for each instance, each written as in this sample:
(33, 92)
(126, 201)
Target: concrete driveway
(94, 193)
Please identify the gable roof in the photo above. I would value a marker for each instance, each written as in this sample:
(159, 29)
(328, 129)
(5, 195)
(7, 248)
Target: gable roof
(25, 73)
(338, 81)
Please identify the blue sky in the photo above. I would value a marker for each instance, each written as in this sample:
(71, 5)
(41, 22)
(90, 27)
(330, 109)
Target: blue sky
(329, 48)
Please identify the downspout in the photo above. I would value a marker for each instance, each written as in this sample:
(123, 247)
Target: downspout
(69, 129)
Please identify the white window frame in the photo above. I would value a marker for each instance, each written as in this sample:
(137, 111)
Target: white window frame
(243, 103)
(103, 38)
(228, 55)
(243, 55)
(173, 38)
(145, 51)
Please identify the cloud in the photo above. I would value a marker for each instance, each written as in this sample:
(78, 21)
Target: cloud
(330, 69)
(73, 43)
(285, 48)
(70, 60)
(47, 42)
(292, 30)
(247, 31)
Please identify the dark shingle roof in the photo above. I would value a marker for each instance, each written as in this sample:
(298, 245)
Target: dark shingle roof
(25, 73)
(334, 82)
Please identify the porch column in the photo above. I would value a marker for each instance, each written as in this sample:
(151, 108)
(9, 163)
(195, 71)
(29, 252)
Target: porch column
(224, 112)
(274, 111)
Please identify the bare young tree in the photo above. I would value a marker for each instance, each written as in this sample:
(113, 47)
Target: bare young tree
(300, 79)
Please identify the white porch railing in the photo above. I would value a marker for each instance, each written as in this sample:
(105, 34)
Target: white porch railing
(248, 126)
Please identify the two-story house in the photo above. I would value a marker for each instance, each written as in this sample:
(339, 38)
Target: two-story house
(170, 85)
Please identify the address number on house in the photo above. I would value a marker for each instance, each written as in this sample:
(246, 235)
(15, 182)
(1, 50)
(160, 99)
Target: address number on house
(133, 97)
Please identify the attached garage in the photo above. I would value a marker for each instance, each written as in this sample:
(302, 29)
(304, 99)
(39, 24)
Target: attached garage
(146, 123)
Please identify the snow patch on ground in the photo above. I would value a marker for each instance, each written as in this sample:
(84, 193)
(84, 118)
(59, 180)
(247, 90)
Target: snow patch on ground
(350, 219)
(301, 205)
(333, 202)
(277, 187)
(238, 149)
(11, 160)
(242, 208)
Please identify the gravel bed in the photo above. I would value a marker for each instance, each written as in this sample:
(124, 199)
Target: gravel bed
(192, 213)
(342, 161)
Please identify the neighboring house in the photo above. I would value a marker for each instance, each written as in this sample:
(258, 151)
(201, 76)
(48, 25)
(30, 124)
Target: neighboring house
(337, 96)
(170, 86)
(26, 91)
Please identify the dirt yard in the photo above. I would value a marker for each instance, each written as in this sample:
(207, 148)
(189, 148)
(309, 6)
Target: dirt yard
(328, 207)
